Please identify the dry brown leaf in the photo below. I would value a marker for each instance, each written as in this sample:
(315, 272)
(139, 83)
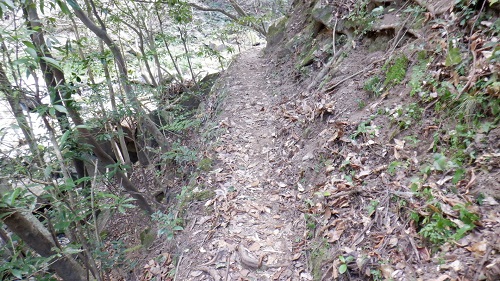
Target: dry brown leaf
(365, 172)
(478, 248)
(396, 154)
(328, 213)
(380, 243)
(442, 278)
(444, 180)
(333, 137)
(329, 169)
(296, 256)
(335, 272)
(254, 247)
(333, 236)
(399, 144)
(386, 270)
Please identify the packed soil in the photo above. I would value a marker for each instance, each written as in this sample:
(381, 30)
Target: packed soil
(253, 229)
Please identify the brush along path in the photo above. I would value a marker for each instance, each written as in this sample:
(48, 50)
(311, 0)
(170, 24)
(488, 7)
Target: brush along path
(252, 229)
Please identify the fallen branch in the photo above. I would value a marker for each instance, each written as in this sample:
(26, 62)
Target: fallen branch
(332, 87)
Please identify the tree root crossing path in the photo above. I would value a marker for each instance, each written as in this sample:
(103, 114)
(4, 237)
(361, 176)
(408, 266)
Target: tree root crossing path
(252, 229)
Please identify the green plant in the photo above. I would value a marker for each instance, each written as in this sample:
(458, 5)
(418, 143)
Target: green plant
(361, 103)
(373, 86)
(365, 129)
(391, 169)
(412, 139)
(343, 263)
(168, 224)
(181, 154)
(360, 18)
(319, 254)
(376, 275)
(372, 207)
(396, 71)
(205, 164)
(418, 78)
(436, 228)
(404, 117)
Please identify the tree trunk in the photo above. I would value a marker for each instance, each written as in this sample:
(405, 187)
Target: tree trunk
(12, 96)
(143, 53)
(122, 69)
(32, 232)
(54, 79)
(174, 62)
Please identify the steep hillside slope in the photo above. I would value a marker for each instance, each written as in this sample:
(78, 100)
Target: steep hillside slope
(361, 144)
(391, 113)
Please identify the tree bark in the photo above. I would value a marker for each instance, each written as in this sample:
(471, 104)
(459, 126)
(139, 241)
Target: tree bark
(122, 69)
(32, 232)
(54, 79)
(12, 96)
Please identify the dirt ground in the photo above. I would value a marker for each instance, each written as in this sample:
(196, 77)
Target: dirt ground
(252, 229)
(297, 197)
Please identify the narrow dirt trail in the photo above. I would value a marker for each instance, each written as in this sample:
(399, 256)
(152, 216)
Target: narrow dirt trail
(249, 231)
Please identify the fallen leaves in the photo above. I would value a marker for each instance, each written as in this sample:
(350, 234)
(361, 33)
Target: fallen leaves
(159, 268)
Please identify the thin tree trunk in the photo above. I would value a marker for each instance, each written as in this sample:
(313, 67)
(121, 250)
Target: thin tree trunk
(122, 69)
(152, 46)
(184, 43)
(179, 73)
(76, 229)
(12, 96)
(54, 78)
(143, 53)
(32, 232)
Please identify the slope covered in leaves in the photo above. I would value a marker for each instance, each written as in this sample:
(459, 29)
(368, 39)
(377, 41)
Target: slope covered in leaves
(368, 150)
(392, 135)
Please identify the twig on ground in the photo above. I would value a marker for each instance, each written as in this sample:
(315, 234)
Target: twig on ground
(177, 267)
(212, 272)
(332, 87)
(481, 263)
(227, 265)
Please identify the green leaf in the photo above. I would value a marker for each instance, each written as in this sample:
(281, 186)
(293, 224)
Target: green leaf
(440, 162)
(461, 232)
(13, 196)
(17, 273)
(453, 57)
(7, 3)
(52, 62)
(71, 251)
(42, 6)
(21, 61)
(342, 268)
(459, 174)
(73, 4)
(60, 108)
(130, 206)
(29, 44)
(31, 52)
(82, 127)
(64, 7)
(64, 138)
